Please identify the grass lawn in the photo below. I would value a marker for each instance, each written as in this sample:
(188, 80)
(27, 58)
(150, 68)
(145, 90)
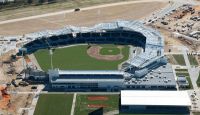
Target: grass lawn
(192, 60)
(76, 58)
(186, 74)
(179, 59)
(198, 81)
(54, 104)
(152, 114)
(181, 70)
(196, 113)
(182, 73)
(82, 104)
(109, 50)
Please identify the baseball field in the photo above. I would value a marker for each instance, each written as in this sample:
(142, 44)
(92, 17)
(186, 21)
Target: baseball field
(86, 104)
(61, 104)
(77, 58)
(54, 104)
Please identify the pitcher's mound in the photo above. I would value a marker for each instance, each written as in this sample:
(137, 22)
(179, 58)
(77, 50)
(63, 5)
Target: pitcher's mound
(95, 52)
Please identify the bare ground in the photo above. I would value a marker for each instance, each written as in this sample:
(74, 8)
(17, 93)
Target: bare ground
(83, 18)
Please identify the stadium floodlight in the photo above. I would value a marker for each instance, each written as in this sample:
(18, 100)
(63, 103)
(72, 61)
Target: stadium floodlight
(74, 34)
(23, 50)
(51, 56)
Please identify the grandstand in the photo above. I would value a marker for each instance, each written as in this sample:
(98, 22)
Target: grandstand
(118, 32)
(87, 80)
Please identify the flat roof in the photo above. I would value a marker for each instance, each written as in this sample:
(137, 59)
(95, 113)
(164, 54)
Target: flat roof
(157, 98)
(161, 76)
(91, 72)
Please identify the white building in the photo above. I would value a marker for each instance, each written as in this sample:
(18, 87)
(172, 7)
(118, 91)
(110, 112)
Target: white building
(174, 102)
(86, 80)
(3, 1)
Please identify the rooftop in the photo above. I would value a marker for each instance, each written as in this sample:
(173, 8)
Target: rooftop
(161, 76)
(92, 72)
(165, 98)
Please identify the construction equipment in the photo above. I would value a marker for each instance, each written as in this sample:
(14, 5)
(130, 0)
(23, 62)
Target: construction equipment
(5, 100)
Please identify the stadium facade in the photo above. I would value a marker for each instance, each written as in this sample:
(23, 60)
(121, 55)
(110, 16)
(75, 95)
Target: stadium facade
(140, 71)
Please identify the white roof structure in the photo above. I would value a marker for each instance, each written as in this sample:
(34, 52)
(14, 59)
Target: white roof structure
(96, 72)
(157, 98)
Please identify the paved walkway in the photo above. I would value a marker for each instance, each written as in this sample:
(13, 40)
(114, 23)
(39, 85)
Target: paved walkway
(73, 104)
(34, 60)
(114, 112)
(194, 73)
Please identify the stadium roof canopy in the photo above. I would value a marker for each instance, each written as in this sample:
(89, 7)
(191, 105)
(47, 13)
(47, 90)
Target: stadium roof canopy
(155, 98)
(154, 44)
(92, 72)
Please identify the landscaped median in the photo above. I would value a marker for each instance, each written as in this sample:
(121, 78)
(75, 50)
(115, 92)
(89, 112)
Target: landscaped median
(184, 72)
(192, 60)
(198, 80)
(179, 59)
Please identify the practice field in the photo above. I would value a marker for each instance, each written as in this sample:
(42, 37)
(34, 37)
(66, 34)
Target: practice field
(89, 103)
(76, 58)
(54, 104)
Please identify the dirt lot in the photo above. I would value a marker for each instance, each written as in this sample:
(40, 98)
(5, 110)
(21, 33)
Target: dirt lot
(32, 10)
(82, 18)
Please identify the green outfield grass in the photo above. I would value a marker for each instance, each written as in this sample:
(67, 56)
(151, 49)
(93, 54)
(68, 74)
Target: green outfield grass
(179, 59)
(192, 60)
(110, 51)
(82, 104)
(54, 104)
(181, 70)
(196, 113)
(76, 58)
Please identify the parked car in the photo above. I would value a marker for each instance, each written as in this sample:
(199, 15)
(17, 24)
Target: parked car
(14, 83)
(77, 9)
(23, 83)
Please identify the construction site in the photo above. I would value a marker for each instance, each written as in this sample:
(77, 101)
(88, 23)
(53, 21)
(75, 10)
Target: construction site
(177, 21)
(11, 82)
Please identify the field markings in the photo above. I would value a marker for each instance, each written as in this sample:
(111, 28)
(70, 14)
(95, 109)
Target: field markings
(73, 104)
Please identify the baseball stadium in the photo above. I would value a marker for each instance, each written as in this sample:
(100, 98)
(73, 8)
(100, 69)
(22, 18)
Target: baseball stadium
(112, 45)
